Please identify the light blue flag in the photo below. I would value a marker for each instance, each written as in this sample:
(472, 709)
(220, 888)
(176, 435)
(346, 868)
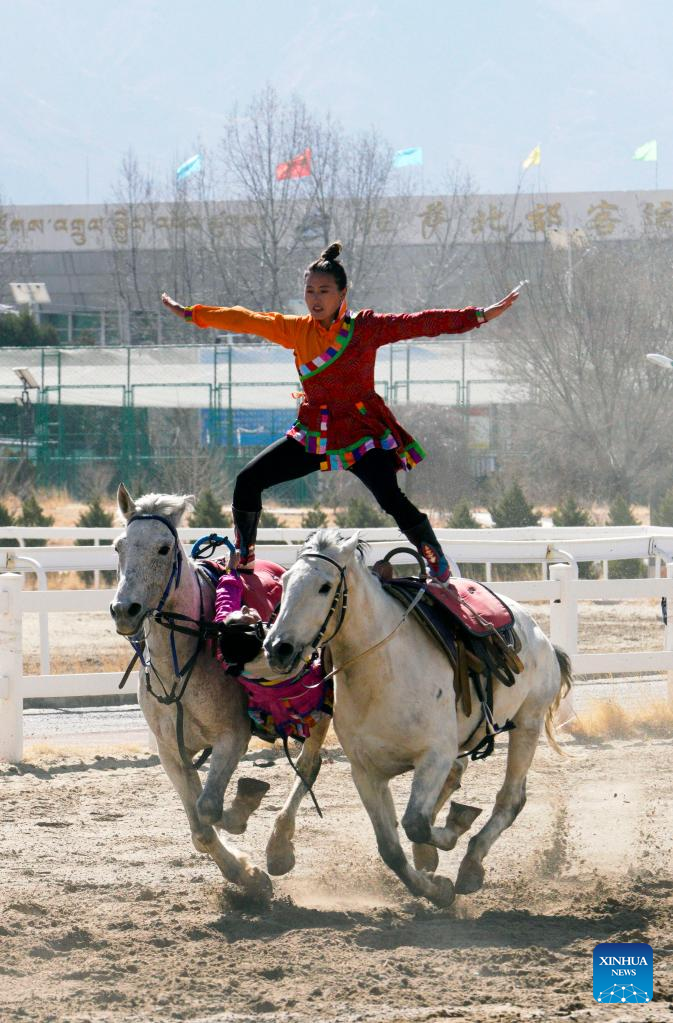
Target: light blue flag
(188, 167)
(408, 157)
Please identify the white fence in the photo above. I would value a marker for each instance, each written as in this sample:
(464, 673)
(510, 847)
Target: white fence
(556, 551)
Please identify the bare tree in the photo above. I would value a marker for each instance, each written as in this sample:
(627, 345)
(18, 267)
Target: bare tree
(600, 415)
(431, 281)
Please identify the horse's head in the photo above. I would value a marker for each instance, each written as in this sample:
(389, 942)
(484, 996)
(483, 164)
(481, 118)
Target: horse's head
(313, 595)
(150, 555)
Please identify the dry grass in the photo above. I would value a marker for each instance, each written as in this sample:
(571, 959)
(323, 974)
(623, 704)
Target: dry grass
(606, 719)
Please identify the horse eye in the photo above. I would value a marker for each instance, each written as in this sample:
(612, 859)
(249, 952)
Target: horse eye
(165, 549)
(325, 588)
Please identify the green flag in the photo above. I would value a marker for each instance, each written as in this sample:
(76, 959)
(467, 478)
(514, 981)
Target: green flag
(648, 151)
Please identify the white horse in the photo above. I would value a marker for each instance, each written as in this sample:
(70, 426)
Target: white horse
(154, 573)
(395, 708)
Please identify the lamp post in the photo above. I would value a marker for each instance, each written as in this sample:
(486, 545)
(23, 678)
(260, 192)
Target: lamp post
(28, 383)
(569, 240)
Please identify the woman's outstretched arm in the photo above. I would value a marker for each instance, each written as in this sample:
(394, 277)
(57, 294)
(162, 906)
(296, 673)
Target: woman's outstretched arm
(272, 326)
(384, 329)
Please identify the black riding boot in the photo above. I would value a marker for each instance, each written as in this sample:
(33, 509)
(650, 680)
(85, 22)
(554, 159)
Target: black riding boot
(245, 534)
(423, 538)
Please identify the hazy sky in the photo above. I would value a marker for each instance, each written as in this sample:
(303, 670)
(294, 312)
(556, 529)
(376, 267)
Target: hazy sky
(478, 81)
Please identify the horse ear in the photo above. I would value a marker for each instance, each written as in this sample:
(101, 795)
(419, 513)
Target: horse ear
(349, 547)
(125, 502)
(188, 502)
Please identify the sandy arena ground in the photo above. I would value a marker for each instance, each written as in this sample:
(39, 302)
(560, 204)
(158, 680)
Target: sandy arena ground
(109, 916)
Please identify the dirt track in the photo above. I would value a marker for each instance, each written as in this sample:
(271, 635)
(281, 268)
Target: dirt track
(109, 915)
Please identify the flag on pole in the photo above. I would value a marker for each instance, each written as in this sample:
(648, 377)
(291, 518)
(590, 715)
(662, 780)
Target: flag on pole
(190, 166)
(408, 157)
(533, 159)
(298, 167)
(648, 151)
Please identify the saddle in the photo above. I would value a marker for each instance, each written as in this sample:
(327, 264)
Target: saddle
(262, 588)
(473, 626)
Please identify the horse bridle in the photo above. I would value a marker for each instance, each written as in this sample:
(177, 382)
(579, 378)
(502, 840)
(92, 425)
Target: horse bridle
(169, 620)
(340, 596)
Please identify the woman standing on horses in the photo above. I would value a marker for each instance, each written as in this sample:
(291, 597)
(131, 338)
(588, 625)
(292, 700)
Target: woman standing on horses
(342, 423)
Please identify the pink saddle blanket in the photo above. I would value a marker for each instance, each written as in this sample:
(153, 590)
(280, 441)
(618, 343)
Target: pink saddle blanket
(291, 707)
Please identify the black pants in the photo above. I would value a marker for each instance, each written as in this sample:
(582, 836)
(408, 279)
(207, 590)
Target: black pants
(286, 459)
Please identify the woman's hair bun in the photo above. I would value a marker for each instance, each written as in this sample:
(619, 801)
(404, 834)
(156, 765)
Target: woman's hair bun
(331, 252)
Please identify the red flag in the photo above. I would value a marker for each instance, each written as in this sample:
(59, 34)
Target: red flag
(297, 167)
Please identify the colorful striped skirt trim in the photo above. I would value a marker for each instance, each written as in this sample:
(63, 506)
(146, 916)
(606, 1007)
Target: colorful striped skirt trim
(344, 458)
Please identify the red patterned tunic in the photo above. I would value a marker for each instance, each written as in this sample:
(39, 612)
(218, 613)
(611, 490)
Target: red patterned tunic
(341, 416)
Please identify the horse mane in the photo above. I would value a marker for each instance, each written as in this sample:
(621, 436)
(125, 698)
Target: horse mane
(323, 540)
(171, 506)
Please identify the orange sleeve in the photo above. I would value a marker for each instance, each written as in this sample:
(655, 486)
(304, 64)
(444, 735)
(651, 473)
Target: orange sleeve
(273, 326)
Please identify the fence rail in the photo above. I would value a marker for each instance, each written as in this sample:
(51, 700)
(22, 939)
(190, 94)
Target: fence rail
(556, 551)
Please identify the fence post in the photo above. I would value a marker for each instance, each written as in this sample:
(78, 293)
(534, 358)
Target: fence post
(563, 610)
(11, 668)
(668, 633)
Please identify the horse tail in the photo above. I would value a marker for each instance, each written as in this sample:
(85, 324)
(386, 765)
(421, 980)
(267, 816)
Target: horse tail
(563, 690)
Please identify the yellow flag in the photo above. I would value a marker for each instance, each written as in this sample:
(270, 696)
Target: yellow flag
(533, 159)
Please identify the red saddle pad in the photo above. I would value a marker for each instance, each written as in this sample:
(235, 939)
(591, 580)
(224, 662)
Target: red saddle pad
(473, 604)
(262, 590)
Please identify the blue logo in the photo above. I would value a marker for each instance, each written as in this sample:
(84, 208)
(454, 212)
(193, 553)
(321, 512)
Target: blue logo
(623, 972)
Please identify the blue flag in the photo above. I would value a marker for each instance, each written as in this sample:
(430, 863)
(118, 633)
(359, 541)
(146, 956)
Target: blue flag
(188, 167)
(408, 157)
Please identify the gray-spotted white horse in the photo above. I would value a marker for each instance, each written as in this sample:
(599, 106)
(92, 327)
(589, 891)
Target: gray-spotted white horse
(395, 709)
(155, 574)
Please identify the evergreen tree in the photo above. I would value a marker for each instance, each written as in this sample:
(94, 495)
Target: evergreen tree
(268, 520)
(208, 513)
(569, 513)
(513, 509)
(620, 514)
(32, 514)
(23, 331)
(662, 513)
(461, 517)
(95, 515)
(314, 518)
(7, 519)
(360, 514)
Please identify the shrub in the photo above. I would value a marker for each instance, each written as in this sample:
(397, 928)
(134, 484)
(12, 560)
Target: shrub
(662, 513)
(7, 519)
(360, 514)
(23, 331)
(620, 514)
(208, 512)
(32, 514)
(268, 520)
(95, 515)
(569, 513)
(461, 517)
(314, 518)
(513, 509)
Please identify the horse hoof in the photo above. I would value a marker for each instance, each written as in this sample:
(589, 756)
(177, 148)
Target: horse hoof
(426, 858)
(252, 790)
(259, 884)
(280, 862)
(470, 877)
(462, 816)
(444, 893)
